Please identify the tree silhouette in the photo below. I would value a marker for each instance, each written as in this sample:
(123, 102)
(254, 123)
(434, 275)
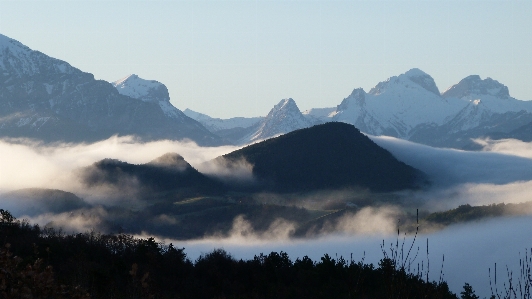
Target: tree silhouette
(468, 292)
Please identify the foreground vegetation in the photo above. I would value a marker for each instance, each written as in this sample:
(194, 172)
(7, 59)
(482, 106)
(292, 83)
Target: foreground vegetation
(44, 263)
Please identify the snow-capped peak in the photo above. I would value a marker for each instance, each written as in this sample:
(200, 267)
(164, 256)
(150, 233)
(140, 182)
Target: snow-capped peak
(473, 86)
(410, 79)
(148, 91)
(422, 79)
(415, 72)
(286, 108)
(141, 89)
(17, 59)
(357, 97)
(285, 104)
(283, 118)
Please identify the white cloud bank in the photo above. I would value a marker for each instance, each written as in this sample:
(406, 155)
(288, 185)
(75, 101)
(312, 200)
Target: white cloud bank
(500, 173)
(30, 164)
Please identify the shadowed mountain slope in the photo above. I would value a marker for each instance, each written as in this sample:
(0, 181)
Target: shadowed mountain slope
(35, 201)
(168, 173)
(329, 156)
(47, 99)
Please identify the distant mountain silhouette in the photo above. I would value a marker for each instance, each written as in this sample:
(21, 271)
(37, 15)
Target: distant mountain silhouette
(330, 156)
(523, 133)
(324, 157)
(35, 201)
(168, 173)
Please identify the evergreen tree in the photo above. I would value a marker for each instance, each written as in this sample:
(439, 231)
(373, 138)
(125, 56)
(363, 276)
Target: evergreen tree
(468, 292)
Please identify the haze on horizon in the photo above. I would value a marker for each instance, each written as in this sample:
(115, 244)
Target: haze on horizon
(239, 58)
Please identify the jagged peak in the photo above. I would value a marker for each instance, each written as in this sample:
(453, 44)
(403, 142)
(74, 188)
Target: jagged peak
(124, 80)
(358, 93)
(285, 104)
(358, 96)
(282, 118)
(474, 85)
(133, 78)
(146, 90)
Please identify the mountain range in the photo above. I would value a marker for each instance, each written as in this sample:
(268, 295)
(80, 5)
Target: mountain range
(409, 106)
(48, 99)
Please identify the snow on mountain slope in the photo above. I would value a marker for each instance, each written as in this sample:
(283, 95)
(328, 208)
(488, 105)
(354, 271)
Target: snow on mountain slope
(145, 90)
(196, 115)
(397, 105)
(217, 124)
(474, 85)
(18, 60)
(485, 99)
(319, 115)
(149, 91)
(469, 117)
(410, 106)
(47, 99)
(494, 95)
(283, 118)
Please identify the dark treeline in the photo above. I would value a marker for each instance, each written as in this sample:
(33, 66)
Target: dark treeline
(466, 213)
(49, 264)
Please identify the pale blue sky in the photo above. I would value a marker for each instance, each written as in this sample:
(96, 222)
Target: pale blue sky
(239, 58)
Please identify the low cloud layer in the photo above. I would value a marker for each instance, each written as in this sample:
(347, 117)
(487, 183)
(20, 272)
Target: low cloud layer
(502, 172)
(369, 221)
(450, 167)
(512, 147)
(495, 175)
(29, 164)
(240, 171)
(469, 250)
(79, 221)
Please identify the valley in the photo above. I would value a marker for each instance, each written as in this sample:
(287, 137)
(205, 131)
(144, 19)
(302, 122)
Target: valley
(401, 160)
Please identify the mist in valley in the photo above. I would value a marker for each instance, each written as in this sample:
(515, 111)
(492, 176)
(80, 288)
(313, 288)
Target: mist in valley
(502, 172)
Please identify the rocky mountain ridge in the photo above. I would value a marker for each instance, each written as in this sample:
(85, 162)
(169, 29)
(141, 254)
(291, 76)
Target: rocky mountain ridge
(47, 99)
(410, 106)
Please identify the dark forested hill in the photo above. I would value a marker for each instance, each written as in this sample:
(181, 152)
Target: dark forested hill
(168, 173)
(329, 156)
(36, 201)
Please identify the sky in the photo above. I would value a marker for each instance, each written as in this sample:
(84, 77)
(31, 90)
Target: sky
(240, 58)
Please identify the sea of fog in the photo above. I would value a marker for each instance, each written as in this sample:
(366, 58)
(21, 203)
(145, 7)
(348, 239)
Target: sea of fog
(502, 172)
